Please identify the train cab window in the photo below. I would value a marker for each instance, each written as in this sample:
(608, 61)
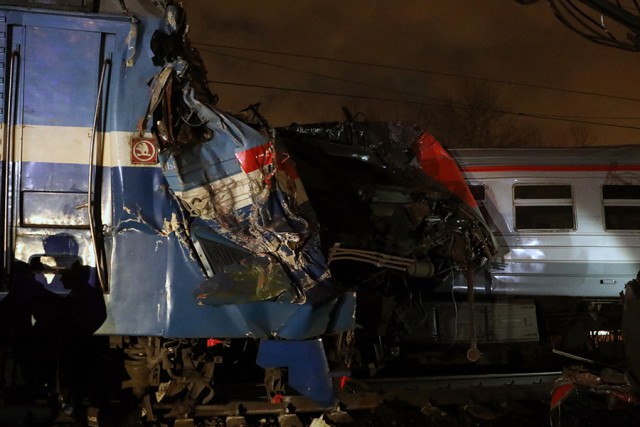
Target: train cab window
(543, 207)
(621, 207)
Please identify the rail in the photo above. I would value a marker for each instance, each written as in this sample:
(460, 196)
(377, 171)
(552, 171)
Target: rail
(367, 394)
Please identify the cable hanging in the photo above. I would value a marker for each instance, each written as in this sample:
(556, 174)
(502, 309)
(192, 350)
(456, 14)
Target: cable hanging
(607, 22)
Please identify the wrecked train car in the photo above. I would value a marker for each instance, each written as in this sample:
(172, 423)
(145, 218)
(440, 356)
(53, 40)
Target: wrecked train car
(565, 228)
(85, 202)
(566, 223)
(397, 220)
(223, 251)
(135, 209)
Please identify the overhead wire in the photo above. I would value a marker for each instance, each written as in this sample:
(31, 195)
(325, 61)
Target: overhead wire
(316, 74)
(421, 71)
(404, 101)
(572, 119)
(351, 81)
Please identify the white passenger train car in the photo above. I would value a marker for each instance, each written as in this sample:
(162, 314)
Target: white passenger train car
(567, 219)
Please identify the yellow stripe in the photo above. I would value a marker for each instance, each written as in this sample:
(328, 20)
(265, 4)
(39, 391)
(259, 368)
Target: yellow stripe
(71, 145)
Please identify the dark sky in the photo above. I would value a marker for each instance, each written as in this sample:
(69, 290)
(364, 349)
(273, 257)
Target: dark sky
(443, 39)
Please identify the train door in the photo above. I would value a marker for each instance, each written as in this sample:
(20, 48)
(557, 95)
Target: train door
(55, 96)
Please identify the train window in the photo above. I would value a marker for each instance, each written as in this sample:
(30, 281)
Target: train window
(621, 207)
(624, 192)
(543, 207)
(542, 192)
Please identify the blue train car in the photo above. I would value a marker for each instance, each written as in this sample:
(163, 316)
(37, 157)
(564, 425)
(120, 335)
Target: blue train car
(79, 170)
(82, 185)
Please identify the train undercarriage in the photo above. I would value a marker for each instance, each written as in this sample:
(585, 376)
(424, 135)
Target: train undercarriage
(184, 382)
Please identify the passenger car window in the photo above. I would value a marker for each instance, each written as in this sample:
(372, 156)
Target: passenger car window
(621, 207)
(543, 207)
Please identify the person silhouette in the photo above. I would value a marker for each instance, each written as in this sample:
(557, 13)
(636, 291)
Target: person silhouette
(50, 329)
(60, 251)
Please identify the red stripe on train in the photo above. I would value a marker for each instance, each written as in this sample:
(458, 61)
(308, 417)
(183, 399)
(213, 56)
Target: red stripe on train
(258, 157)
(552, 168)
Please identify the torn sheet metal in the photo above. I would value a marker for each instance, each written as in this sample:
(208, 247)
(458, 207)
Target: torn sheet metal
(382, 202)
(439, 165)
(253, 187)
(252, 279)
(609, 393)
(581, 397)
(234, 179)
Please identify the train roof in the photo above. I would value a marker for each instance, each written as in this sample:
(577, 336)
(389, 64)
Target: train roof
(628, 154)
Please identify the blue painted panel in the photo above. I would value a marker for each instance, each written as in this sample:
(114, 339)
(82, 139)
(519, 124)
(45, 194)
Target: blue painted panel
(155, 277)
(308, 370)
(138, 276)
(154, 280)
(142, 199)
(60, 61)
(61, 69)
(61, 19)
(54, 177)
(201, 164)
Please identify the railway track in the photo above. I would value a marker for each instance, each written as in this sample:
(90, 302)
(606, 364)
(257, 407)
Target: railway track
(358, 394)
(456, 389)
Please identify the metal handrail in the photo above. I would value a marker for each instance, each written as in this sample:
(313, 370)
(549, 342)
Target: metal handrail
(8, 155)
(97, 250)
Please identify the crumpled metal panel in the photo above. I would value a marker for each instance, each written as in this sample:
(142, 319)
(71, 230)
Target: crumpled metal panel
(230, 182)
(405, 196)
(583, 396)
(238, 180)
(439, 165)
(157, 279)
(233, 179)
